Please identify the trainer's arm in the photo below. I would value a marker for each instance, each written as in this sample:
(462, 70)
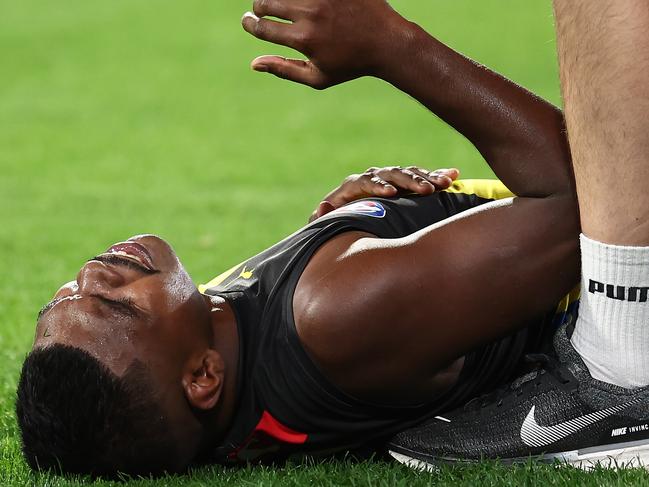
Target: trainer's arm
(520, 135)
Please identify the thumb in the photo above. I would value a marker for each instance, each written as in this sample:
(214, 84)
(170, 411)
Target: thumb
(324, 208)
(296, 70)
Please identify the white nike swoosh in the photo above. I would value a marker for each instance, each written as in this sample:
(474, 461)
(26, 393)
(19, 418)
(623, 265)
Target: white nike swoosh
(535, 435)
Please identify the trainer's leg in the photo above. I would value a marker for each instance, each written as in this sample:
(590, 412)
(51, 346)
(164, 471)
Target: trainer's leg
(604, 62)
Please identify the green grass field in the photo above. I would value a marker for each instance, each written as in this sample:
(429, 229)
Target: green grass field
(132, 116)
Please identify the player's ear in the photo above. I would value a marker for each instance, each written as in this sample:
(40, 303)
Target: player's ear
(203, 380)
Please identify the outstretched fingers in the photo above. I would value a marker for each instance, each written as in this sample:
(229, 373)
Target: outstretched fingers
(270, 30)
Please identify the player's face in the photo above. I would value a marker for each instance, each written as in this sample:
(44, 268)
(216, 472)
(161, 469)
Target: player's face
(134, 301)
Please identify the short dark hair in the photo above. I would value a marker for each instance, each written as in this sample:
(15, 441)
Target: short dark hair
(78, 417)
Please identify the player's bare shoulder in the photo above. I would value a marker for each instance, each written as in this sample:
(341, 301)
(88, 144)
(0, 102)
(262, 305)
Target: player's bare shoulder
(328, 305)
(343, 309)
(319, 295)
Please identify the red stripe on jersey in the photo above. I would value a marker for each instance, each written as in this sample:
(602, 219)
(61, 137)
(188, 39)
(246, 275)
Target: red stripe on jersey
(266, 440)
(274, 428)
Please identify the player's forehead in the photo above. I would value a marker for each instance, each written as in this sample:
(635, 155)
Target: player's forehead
(113, 342)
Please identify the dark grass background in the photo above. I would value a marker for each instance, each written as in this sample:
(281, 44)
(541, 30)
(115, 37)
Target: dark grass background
(133, 116)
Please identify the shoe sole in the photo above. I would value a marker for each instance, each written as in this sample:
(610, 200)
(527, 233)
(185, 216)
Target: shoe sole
(621, 455)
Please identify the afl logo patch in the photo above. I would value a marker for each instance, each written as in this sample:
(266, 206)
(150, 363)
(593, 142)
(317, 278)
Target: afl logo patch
(367, 208)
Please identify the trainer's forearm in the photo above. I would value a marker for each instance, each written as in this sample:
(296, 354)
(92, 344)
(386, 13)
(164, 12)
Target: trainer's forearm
(520, 135)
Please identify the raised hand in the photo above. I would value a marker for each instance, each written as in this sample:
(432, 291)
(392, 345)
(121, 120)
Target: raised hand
(342, 39)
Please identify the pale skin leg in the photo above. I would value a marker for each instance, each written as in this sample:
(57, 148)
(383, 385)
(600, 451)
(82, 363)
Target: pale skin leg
(604, 61)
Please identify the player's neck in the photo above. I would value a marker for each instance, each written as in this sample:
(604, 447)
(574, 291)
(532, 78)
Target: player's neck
(226, 343)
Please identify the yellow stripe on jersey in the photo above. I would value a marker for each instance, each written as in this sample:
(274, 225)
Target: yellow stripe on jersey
(491, 189)
(218, 279)
(573, 296)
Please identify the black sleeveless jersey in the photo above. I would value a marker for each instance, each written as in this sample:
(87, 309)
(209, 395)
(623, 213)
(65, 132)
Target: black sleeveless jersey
(286, 405)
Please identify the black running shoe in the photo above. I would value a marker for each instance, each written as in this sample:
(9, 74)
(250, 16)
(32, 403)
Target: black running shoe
(556, 412)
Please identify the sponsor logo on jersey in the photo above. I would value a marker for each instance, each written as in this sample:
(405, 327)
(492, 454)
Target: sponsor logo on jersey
(367, 208)
(621, 293)
(244, 274)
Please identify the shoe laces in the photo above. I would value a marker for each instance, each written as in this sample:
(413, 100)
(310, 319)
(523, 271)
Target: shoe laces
(542, 364)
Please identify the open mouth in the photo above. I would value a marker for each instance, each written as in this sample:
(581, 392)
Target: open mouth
(131, 254)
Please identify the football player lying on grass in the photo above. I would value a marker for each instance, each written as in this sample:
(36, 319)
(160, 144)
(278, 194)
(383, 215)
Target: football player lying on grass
(375, 316)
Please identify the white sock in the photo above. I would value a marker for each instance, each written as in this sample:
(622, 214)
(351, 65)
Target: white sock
(612, 330)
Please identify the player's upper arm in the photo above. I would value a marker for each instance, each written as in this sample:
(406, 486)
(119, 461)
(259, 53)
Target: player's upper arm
(382, 311)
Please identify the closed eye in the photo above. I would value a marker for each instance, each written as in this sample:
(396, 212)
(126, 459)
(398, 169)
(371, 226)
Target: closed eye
(124, 306)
